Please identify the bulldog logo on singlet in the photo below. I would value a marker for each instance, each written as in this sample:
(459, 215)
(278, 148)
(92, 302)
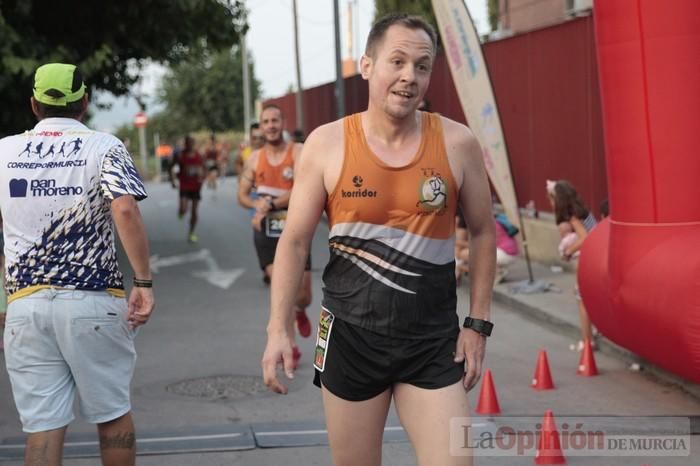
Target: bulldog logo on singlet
(432, 193)
(288, 173)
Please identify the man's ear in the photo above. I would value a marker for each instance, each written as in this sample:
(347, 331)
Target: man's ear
(365, 66)
(84, 105)
(35, 108)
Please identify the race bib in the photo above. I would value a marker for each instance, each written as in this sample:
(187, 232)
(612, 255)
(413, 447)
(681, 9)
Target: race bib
(325, 325)
(191, 171)
(274, 223)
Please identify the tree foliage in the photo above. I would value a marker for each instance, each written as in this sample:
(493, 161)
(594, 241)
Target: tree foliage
(205, 92)
(494, 9)
(422, 8)
(103, 38)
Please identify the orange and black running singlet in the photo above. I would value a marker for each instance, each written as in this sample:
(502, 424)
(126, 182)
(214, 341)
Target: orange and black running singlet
(391, 239)
(275, 180)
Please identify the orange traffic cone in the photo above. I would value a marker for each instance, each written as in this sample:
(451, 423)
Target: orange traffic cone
(586, 366)
(548, 446)
(542, 379)
(488, 401)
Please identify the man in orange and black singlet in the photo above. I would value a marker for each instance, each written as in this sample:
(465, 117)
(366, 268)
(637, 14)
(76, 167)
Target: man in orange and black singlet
(390, 180)
(190, 175)
(270, 170)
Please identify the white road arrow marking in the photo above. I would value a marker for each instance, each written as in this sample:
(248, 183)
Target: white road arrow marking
(213, 274)
(157, 262)
(221, 278)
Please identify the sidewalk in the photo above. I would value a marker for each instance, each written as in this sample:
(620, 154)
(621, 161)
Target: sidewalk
(557, 309)
(557, 306)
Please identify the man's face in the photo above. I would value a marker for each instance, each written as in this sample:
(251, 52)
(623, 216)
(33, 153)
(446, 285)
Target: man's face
(271, 125)
(257, 138)
(399, 72)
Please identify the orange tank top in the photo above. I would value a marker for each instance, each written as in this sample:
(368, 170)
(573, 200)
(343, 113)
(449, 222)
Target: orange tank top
(392, 237)
(275, 180)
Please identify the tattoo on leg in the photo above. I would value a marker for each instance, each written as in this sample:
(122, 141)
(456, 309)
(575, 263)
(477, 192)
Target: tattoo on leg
(120, 440)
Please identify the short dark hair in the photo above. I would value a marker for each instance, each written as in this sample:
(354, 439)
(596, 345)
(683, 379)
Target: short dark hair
(298, 135)
(269, 106)
(376, 34)
(71, 110)
(255, 125)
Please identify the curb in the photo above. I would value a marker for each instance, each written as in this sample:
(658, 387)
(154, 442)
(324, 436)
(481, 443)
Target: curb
(605, 346)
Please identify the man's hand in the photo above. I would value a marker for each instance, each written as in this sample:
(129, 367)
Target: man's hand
(141, 304)
(471, 347)
(278, 352)
(256, 221)
(263, 205)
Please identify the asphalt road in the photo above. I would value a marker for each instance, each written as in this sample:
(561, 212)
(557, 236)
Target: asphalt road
(199, 361)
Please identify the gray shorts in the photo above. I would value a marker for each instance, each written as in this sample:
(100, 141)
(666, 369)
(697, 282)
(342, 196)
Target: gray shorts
(59, 341)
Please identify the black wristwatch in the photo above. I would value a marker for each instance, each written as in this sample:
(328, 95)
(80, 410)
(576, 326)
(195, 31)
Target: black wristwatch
(482, 327)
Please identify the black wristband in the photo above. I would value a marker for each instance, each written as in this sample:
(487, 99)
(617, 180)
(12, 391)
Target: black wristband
(139, 283)
(482, 327)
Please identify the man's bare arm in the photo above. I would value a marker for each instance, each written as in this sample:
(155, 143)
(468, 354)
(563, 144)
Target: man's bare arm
(306, 204)
(305, 208)
(132, 232)
(475, 197)
(245, 185)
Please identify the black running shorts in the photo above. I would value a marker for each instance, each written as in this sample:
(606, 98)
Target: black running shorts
(266, 246)
(361, 364)
(194, 195)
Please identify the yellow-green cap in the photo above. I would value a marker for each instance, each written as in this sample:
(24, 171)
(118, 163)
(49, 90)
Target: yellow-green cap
(58, 84)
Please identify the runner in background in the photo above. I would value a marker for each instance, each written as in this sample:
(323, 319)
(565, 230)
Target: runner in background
(164, 154)
(256, 139)
(270, 170)
(188, 169)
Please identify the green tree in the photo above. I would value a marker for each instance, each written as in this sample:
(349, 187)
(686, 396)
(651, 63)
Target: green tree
(422, 8)
(205, 93)
(104, 39)
(494, 13)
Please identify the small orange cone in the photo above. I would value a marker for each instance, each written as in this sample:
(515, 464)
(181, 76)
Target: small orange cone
(542, 379)
(548, 446)
(488, 401)
(586, 366)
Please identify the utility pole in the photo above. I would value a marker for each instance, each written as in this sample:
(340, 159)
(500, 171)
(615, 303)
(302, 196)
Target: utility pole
(339, 83)
(300, 91)
(246, 85)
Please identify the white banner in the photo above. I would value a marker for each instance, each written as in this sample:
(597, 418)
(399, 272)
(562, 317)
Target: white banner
(471, 78)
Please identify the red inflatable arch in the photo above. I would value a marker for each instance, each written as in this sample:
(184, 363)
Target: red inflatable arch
(640, 271)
